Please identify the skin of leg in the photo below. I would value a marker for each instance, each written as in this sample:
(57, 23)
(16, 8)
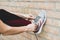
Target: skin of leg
(8, 30)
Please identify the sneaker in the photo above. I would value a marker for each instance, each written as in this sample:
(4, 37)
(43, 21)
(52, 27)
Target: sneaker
(39, 21)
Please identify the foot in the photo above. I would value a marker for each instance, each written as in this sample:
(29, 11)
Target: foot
(40, 20)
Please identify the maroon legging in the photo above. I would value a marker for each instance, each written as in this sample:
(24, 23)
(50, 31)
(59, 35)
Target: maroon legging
(18, 22)
(12, 20)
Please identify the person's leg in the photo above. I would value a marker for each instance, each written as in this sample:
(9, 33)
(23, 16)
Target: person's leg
(14, 20)
(11, 19)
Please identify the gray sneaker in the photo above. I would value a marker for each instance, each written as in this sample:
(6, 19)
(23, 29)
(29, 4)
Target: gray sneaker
(39, 21)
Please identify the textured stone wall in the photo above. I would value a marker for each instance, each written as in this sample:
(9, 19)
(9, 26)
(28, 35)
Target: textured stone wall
(51, 31)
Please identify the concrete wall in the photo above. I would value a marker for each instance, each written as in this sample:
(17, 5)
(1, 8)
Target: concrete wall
(51, 30)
